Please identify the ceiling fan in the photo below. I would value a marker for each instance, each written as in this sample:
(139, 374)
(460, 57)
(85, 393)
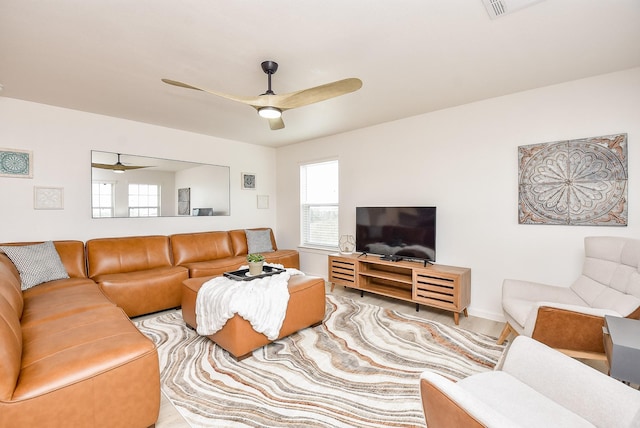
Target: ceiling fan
(271, 105)
(117, 167)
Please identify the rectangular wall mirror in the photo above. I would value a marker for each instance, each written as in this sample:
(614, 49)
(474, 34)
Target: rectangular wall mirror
(125, 185)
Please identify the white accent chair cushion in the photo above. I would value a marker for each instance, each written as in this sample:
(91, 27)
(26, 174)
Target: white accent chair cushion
(537, 386)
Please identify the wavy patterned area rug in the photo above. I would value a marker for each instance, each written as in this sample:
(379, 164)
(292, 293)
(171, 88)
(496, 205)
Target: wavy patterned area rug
(359, 369)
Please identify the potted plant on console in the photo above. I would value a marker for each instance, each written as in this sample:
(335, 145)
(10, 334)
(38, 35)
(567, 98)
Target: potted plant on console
(256, 261)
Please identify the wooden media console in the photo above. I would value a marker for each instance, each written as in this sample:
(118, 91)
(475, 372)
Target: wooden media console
(438, 286)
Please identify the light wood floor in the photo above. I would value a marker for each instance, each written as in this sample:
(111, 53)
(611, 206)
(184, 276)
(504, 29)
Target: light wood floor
(170, 418)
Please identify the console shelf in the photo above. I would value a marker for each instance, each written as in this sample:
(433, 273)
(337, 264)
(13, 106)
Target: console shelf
(439, 286)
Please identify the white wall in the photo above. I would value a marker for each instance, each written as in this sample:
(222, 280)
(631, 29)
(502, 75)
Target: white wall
(201, 180)
(464, 161)
(61, 141)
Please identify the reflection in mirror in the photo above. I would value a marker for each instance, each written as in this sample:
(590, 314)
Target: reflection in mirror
(137, 186)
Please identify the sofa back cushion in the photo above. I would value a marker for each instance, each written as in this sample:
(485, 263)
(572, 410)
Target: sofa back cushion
(200, 247)
(239, 241)
(71, 254)
(128, 254)
(73, 257)
(10, 285)
(10, 346)
(610, 278)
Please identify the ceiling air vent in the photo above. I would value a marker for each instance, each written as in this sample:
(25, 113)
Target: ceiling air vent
(497, 8)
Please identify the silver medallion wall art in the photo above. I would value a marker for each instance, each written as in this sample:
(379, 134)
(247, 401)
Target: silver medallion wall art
(16, 163)
(575, 182)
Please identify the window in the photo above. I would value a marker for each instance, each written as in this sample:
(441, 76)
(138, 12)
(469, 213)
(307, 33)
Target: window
(102, 199)
(144, 200)
(319, 204)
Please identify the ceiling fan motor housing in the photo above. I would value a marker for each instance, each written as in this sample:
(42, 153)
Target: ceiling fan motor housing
(269, 67)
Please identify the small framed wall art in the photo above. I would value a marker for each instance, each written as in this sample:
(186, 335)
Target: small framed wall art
(48, 198)
(263, 202)
(16, 163)
(248, 181)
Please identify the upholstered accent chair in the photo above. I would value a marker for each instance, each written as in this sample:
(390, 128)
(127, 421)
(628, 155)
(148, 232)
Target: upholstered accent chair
(535, 386)
(570, 319)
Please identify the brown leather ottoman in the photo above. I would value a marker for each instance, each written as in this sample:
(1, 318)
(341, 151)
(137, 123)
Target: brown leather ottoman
(306, 308)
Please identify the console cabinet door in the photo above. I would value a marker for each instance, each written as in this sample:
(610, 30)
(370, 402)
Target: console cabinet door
(343, 271)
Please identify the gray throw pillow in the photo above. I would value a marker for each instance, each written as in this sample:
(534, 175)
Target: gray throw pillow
(36, 263)
(259, 241)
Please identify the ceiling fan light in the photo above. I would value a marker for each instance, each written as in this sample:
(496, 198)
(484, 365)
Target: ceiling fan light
(118, 171)
(269, 112)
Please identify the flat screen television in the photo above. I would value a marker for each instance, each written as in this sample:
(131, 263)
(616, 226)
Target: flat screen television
(397, 233)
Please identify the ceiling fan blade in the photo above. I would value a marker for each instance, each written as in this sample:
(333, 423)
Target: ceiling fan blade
(116, 166)
(316, 94)
(245, 100)
(128, 167)
(102, 165)
(180, 84)
(276, 124)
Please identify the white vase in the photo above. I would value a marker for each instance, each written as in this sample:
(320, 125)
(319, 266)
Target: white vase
(255, 268)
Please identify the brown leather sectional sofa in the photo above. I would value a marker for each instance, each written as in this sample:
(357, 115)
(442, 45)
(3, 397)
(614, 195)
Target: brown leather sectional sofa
(69, 357)
(69, 354)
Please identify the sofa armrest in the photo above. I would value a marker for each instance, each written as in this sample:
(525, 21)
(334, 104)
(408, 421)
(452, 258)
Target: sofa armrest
(583, 390)
(570, 327)
(445, 405)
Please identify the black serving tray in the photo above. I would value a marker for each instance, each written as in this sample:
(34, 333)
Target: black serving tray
(241, 275)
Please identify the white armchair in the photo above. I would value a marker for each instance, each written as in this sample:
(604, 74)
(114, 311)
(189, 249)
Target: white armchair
(570, 319)
(535, 386)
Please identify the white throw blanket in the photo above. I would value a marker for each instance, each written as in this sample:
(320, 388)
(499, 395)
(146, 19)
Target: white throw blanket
(262, 301)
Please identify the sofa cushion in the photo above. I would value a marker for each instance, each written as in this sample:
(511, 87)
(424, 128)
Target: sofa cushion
(10, 285)
(215, 267)
(519, 402)
(57, 299)
(73, 257)
(258, 241)
(144, 291)
(10, 349)
(199, 247)
(127, 254)
(287, 258)
(76, 347)
(36, 263)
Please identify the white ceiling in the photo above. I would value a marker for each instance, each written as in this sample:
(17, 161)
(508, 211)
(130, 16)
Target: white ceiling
(413, 56)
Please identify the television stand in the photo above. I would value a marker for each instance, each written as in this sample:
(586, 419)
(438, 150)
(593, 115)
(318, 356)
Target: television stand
(438, 286)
